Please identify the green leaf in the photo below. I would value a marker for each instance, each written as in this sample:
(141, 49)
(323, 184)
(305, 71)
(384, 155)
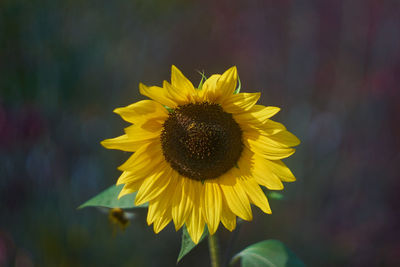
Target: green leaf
(203, 78)
(109, 199)
(239, 87)
(271, 253)
(275, 195)
(187, 243)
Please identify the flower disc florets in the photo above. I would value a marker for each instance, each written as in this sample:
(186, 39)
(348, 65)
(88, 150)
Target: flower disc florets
(201, 141)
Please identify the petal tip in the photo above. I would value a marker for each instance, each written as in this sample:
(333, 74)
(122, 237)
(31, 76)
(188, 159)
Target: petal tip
(290, 179)
(139, 202)
(174, 68)
(195, 239)
(106, 143)
(233, 72)
(117, 110)
(233, 68)
(119, 182)
(121, 194)
(142, 88)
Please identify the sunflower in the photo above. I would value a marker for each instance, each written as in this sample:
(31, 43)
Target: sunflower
(202, 154)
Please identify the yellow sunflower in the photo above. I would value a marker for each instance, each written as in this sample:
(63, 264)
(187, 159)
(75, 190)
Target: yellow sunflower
(201, 155)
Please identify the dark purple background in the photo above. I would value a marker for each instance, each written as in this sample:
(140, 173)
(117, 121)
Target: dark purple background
(332, 66)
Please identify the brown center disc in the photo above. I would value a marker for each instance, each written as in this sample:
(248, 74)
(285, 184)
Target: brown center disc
(201, 141)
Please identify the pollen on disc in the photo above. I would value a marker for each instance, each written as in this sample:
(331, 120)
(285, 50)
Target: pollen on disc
(201, 141)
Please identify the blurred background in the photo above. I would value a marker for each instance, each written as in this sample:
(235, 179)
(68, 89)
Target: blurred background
(332, 66)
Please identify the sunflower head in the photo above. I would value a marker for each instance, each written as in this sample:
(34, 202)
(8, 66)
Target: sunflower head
(202, 154)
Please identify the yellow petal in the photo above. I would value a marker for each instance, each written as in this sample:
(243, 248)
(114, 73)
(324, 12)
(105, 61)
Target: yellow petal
(264, 176)
(125, 177)
(144, 155)
(285, 138)
(160, 204)
(282, 139)
(217, 88)
(154, 185)
(263, 113)
(211, 83)
(256, 195)
(240, 102)
(280, 170)
(273, 127)
(162, 221)
(180, 96)
(153, 211)
(245, 163)
(228, 218)
(267, 128)
(182, 202)
(178, 214)
(141, 171)
(235, 197)
(179, 81)
(148, 130)
(262, 148)
(159, 212)
(209, 90)
(226, 84)
(142, 111)
(158, 94)
(212, 200)
(123, 143)
(195, 223)
(258, 114)
(130, 188)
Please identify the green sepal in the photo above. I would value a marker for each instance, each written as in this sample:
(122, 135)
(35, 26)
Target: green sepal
(109, 199)
(238, 87)
(170, 110)
(203, 78)
(187, 244)
(269, 253)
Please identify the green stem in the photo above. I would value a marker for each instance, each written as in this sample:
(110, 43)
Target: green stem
(214, 250)
(232, 240)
